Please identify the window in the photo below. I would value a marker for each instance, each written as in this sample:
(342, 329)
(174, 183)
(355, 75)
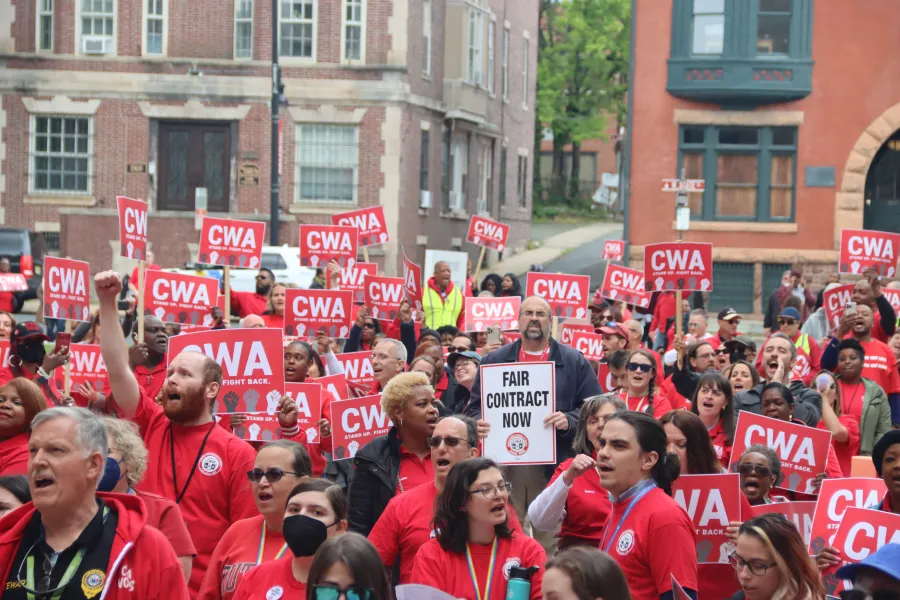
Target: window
(446, 170)
(354, 30)
(426, 35)
(503, 176)
(474, 73)
(61, 154)
(297, 29)
(423, 160)
(708, 26)
(243, 29)
(749, 171)
(486, 185)
(505, 64)
(327, 163)
(525, 45)
(773, 27)
(154, 28)
(460, 174)
(490, 56)
(522, 182)
(45, 26)
(97, 20)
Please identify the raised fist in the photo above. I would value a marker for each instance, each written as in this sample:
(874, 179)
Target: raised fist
(273, 399)
(704, 284)
(660, 282)
(160, 313)
(254, 431)
(130, 249)
(314, 260)
(250, 398)
(213, 258)
(253, 262)
(231, 400)
(353, 447)
(55, 308)
(311, 435)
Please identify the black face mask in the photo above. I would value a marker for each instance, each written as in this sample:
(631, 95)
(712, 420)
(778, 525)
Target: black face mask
(304, 534)
(31, 351)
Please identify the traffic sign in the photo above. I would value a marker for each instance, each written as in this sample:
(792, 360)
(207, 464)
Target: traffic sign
(683, 185)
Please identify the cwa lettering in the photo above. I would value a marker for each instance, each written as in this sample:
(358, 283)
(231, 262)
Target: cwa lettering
(871, 246)
(490, 230)
(363, 222)
(783, 444)
(863, 536)
(627, 280)
(66, 281)
(180, 291)
(492, 310)
(372, 418)
(676, 260)
(136, 221)
(319, 306)
(328, 240)
(220, 235)
(713, 509)
(230, 358)
(553, 288)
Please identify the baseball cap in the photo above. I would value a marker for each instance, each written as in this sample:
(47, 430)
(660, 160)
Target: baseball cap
(727, 314)
(28, 330)
(455, 356)
(615, 329)
(796, 273)
(885, 561)
(789, 312)
(740, 340)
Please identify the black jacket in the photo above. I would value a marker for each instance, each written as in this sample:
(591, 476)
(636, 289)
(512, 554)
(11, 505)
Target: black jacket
(807, 402)
(575, 381)
(375, 481)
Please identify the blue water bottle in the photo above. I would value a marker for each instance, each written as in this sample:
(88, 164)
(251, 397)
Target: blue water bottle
(519, 585)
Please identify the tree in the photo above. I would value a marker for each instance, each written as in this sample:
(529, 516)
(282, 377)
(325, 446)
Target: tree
(582, 77)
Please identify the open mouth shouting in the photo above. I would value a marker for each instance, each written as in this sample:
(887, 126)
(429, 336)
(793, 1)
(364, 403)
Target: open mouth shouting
(42, 481)
(498, 512)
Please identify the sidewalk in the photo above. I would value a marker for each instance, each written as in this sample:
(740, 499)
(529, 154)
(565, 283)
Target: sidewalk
(554, 247)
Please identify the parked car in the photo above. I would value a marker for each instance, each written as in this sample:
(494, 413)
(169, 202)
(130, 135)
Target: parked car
(25, 250)
(283, 261)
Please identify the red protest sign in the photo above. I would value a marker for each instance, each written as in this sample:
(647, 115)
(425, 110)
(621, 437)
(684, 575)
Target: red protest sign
(861, 533)
(179, 298)
(799, 513)
(353, 279)
(412, 282)
(835, 498)
(257, 427)
(567, 294)
(604, 376)
(132, 227)
(66, 292)
(614, 250)
(893, 296)
(482, 313)
(308, 397)
(627, 285)
(488, 233)
(685, 266)
(369, 222)
(355, 423)
(307, 311)
(206, 320)
(835, 301)
(231, 242)
(86, 367)
(13, 282)
(357, 368)
(251, 382)
(589, 344)
(865, 249)
(712, 502)
(803, 450)
(334, 384)
(4, 353)
(321, 244)
(383, 296)
(568, 328)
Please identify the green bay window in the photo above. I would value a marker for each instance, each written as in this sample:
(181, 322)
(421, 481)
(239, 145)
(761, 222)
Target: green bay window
(750, 172)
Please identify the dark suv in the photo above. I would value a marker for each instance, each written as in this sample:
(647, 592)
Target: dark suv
(25, 250)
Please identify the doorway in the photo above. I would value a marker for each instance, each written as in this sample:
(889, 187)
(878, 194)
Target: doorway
(194, 154)
(882, 201)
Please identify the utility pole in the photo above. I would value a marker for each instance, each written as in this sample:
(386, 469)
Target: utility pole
(275, 176)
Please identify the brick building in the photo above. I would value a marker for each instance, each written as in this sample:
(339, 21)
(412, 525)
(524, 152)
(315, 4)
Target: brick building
(789, 109)
(423, 106)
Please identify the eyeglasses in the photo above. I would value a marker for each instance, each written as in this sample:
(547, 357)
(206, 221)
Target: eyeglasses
(537, 314)
(458, 348)
(786, 322)
(634, 367)
(748, 469)
(326, 591)
(490, 491)
(450, 441)
(756, 568)
(272, 475)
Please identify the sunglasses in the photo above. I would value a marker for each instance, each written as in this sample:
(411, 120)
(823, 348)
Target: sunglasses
(788, 322)
(640, 367)
(458, 348)
(450, 441)
(761, 470)
(369, 325)
(272, 475)
(326, 591)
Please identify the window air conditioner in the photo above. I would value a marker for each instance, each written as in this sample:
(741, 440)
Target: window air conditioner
(95, 44)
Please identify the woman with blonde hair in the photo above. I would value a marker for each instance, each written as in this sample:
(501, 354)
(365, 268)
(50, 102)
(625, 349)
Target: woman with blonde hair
(772, 562)
(20, 401)
(274, 313)
(7, 324)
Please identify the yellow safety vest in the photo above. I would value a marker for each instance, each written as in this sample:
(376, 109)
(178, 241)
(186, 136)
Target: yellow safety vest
(803, 342)
(440, 311)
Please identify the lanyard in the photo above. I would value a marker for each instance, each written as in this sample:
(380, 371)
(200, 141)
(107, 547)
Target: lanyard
(490, 574)
(178, 496)
(631, 505)
(848, 409)
(262, 546)
(640, 405)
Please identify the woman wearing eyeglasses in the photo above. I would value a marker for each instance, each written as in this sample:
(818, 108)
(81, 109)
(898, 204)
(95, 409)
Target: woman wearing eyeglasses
(713, 402)
(760, 470)
(574, 500)
(347, 568)
(474, 549)
(640, 395)
(316, 510)
(278, 468)
(772, 562)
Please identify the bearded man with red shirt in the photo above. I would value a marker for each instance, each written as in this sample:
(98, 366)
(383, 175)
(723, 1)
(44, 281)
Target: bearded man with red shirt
(148, 358)
(254, 303)
(195, 463)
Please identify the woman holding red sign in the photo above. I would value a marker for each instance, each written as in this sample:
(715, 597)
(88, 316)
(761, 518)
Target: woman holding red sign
(299, 360)
(640, 394)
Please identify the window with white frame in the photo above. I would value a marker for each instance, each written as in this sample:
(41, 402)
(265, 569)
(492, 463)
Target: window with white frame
(526, 43)
(327, 163)
(97, 21)
(490, 56)
(45, 26)
(486, 185)
(476, 47)
(297, 28)
(154, 28)
(60, 154)
(426, 35)
(505, 60)
(354, 30)
(243, 29)
(460, 174)
(522, 181)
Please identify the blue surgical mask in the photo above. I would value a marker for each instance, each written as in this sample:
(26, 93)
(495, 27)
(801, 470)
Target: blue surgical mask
(111, 475)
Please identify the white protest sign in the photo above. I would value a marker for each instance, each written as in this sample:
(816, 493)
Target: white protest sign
(515, 398)
(458, 261)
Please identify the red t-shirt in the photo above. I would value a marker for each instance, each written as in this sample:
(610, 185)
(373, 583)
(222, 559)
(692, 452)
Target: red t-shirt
(661, 404)
(14, 455)
(441, 386)
(236, 554)
(163, 514)
(151, 379)
(587, 505)
(720, 443)
(655, 523)
(880, 366)
(135, 278)
(271, 580)
(675, 399)
(274, 321)
(449, 571)
(414, 471)
(852, 400)
(219, 493)
(6, 302)
(845, 451)
(248, 303)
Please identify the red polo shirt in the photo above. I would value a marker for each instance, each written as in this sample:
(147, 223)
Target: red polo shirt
(151, 379)
(587, 506)
(248, 303)
(414, 471)
(720, 444)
